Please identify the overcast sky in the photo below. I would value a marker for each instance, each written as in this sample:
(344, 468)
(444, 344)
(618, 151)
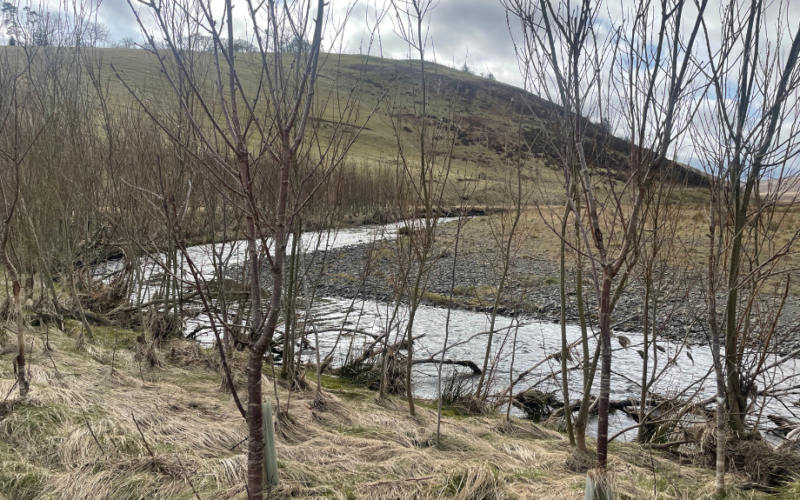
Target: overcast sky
(471, 30)
(475, 31)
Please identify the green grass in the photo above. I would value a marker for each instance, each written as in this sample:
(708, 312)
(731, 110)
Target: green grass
(478, 113)
(447, 411)
(482, 108)
(108, 336)
(436, 298)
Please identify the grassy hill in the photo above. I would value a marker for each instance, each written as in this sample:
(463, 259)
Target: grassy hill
(485, 118)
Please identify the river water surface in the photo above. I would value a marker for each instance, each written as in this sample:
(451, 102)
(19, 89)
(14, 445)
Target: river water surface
(684, 370)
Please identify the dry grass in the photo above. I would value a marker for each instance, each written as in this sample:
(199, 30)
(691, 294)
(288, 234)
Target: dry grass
(76, 438)
(537, 241)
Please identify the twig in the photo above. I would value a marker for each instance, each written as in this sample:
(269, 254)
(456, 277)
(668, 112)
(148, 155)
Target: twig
(93, 434)
(238, 444)
(228, 375)
(50, 355)
(114, 352)
(10, 391)
(147, 446)
(188, 479)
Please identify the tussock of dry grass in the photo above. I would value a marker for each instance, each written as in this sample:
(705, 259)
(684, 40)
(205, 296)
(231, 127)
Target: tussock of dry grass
(76, 438)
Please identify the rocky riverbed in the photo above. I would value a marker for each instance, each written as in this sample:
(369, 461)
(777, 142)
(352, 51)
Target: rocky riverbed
(372, 270)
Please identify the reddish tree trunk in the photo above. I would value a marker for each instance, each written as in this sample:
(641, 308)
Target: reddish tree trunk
(605, 370)
(255, 424)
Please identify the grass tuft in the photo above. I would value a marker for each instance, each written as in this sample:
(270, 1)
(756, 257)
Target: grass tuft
(76, 438)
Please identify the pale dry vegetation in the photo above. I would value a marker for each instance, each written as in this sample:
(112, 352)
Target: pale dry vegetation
(76, 438)
(539, 238)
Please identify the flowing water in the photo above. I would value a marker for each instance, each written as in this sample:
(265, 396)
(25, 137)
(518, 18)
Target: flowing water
(684, 371)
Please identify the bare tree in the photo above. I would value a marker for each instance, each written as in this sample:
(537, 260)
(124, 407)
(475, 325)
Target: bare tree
(740, 143)
(428, 173)
(249, 141)
(746, 70)
(16, 112)
(561, 46)
(24, 116)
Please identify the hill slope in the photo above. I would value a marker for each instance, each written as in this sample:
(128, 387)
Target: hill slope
(484, 117)
(483, 111)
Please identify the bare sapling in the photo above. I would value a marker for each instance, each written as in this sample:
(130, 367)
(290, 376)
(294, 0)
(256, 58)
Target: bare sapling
(427, 175)
(249, 143)
(507, 239)
(744, 258)
(742, 71)
(561, 44)
(23, 122)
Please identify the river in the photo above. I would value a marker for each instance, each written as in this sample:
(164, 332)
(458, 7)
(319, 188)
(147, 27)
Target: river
(684, 376)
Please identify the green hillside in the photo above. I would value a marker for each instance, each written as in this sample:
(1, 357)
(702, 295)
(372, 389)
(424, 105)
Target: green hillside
(485, 118)
(482, 110)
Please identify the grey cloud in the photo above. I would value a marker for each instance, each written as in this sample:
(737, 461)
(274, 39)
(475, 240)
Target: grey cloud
(475, 31)
(471, 30)
(478, 31)
(117, 15)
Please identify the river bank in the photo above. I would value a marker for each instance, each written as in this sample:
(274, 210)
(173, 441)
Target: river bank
(102, 423)
(532, 289)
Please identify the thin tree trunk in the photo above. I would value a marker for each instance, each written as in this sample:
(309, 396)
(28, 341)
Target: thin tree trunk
(47, 279)
(255, 419)
(74, 292)
(731, 328)
(287, 366)
(589, 363)
(564, 346)
(715, 351)
(446, 334)
(605, 371)
(492, 321)
(428, 213)
(506, 266)
(415, 298)
(645, 353)
(23, 384)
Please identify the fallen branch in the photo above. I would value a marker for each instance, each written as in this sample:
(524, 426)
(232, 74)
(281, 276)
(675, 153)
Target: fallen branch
(96, 318)
(469, 364)
(665, 446)
(134, 307)
(411, 479)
